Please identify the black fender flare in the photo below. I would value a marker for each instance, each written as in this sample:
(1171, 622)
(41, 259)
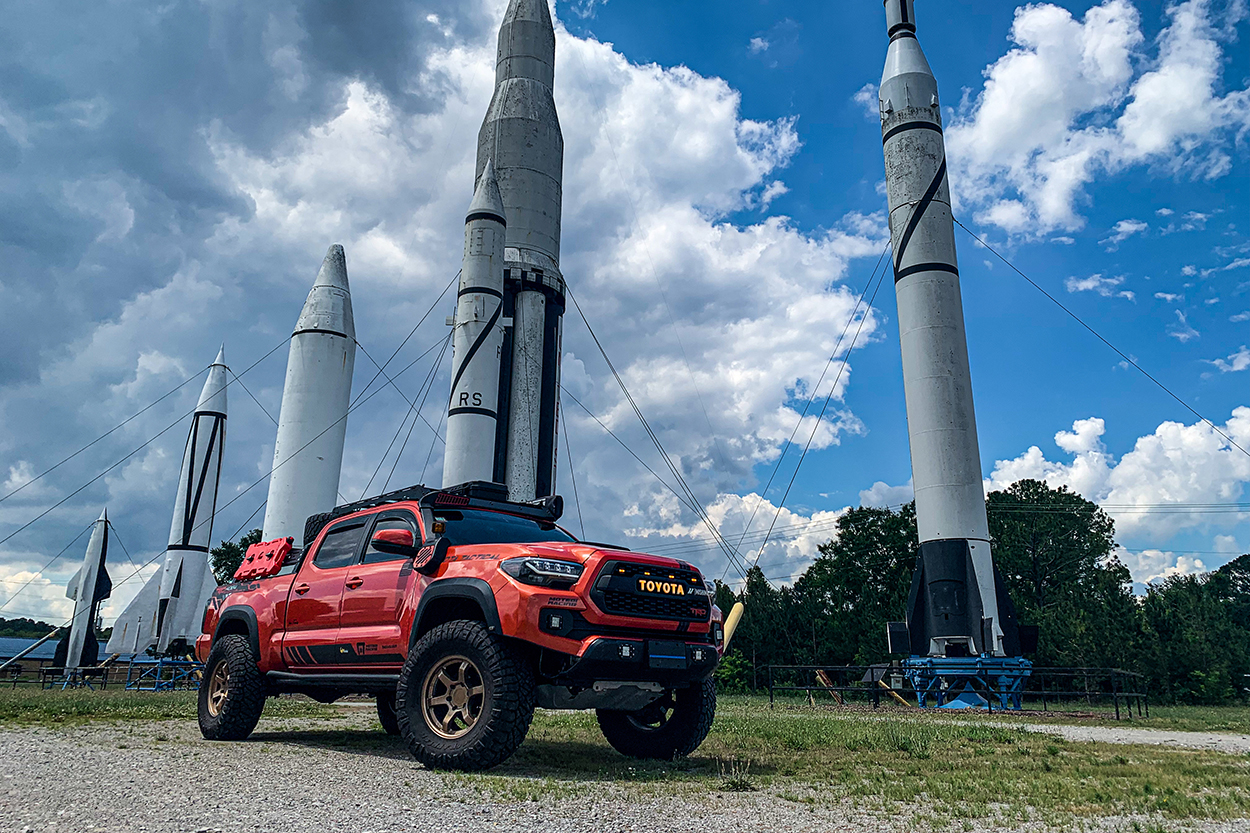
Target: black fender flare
(470, 589)
(246, 615)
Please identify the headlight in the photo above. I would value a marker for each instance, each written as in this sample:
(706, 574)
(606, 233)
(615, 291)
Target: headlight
(546, 572)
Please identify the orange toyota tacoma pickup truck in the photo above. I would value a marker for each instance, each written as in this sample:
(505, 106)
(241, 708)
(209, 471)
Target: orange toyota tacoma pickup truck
(462, 612)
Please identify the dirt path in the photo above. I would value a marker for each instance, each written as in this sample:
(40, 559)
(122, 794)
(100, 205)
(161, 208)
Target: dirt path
(1215, 741)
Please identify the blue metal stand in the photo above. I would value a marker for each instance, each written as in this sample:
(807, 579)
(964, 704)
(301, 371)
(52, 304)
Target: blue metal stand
(163, 675)
(968, 682)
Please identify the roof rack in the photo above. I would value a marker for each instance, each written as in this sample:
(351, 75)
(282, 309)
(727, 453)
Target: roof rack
(477, 494)
(480, 494)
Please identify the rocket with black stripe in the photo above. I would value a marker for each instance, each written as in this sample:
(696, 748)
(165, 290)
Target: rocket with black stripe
(316, 396)
(477, 340)
(89, 587)
(957, 605)
(520, 138)
(186, 581)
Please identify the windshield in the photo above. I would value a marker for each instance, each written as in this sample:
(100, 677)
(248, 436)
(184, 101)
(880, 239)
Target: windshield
(477, 526)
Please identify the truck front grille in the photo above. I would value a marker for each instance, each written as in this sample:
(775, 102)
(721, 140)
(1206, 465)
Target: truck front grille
(620, 589)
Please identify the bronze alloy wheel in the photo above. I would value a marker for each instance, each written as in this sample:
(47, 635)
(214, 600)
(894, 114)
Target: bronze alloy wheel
(218, 688)
(452, 697)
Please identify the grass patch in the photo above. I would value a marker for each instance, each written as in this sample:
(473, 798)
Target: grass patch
(956, 770)
(35, 707)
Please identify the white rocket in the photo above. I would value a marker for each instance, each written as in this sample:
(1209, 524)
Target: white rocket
(168, 610)
(89, 586)
(520, 137)
(308, 453)
(477, 341)
(957, 605)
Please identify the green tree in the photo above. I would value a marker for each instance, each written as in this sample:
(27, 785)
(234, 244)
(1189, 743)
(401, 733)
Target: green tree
(859, 583)
(1055, 551)
(227, 557)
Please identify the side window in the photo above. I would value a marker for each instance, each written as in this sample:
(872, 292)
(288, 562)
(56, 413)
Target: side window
(340, 546)
(402, 521)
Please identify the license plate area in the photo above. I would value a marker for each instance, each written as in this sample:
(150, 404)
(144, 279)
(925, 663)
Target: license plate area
(662, 654)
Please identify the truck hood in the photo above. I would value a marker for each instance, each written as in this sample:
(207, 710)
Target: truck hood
(583, 552)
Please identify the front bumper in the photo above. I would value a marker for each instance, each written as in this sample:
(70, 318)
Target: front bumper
(672, 663)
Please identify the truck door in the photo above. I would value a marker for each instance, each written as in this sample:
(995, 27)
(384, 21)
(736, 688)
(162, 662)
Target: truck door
(372, 596)
(314, 605)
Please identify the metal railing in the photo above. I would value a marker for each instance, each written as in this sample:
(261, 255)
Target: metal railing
(1046, 687)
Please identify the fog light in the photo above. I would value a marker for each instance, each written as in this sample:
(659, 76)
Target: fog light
(627, 651)
(555, 622)
(698, 655)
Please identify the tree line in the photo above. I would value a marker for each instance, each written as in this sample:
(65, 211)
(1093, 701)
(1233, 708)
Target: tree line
(1189, 635)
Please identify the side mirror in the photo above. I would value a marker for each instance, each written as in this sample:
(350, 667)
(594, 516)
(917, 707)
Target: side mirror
(395, 542)
(431, 556)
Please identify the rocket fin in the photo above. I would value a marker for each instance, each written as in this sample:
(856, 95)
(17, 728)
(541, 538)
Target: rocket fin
(71, 588)
(132, 630)
(103, 585)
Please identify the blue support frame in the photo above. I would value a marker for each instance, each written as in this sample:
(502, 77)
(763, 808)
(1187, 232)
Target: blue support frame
(968, 682)
(163, 675)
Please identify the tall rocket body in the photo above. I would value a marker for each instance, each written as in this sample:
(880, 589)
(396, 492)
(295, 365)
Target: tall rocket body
(186, 579)
(957, 605)
(312, 425)
(477, 341)
(521, 137)
(89, 586)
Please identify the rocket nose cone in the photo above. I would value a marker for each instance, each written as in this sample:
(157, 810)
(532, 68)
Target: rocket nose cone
(213, 395)
(329, 303)
(104, 515)
(533, 10)
(333, 269)
(486, 197)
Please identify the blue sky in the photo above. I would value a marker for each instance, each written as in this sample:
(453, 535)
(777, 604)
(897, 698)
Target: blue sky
(172, 178)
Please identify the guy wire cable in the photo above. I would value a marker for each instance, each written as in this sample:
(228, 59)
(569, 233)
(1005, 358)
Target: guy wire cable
(812, 398)
(825, 407)
(729, 551)
(1101, 338)
(151, 440)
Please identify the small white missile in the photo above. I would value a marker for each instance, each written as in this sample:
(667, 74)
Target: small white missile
(954, 607)
(308, 453)
(477, 341)
(89, 586)
(186, 578)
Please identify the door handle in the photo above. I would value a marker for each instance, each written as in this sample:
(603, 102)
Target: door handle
(301, 589)
(354, 582)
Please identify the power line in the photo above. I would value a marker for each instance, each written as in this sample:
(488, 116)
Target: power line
(39, 572)
(568, 453)
(803, 455)
(128, 456)
(128, 419)
(812, 398)
(728, 549)
(402, 422)
(1100, 337)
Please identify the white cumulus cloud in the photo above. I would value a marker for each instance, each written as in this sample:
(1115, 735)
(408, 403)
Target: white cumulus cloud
(1076, 97)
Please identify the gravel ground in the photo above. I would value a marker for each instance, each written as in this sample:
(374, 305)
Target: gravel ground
(311, 776)
(1214, 741)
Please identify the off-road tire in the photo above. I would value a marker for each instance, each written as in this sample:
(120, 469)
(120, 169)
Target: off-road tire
(689, 715)
(236, 717)
(386, 713)
(506, 706)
